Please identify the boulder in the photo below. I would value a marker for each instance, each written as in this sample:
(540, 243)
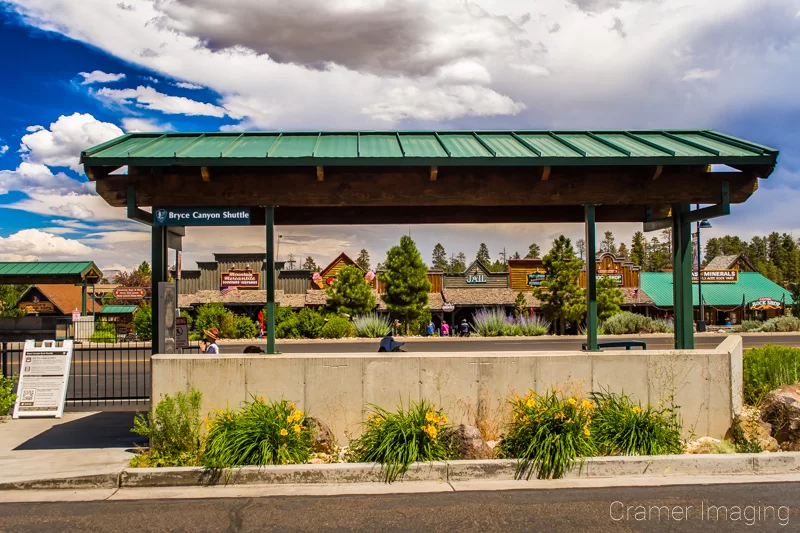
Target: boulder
(781, 409)
(754, 429)
(467, 442)
(703, 445)
(322, 439)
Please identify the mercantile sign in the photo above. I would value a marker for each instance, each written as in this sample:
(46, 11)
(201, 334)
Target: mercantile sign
(242, 278)
(201, 216)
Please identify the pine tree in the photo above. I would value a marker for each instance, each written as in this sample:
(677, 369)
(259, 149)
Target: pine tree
(609, 298)
(439, 258)
(363, 260)
(607, 244)
(350, 293)
(533, 251)
(622, 251)
(406, 279)
(458, 263)
(483, 255)
(580, 245)
(562, 299)
(520, 305)
(638, 250)
(310, 264)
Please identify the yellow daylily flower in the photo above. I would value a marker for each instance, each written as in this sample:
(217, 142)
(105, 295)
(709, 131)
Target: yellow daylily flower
(284, 432)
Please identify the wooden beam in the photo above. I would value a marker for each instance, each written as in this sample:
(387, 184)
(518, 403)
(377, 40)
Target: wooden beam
(545, 173)
(205, 174)
(320, 173)
(657, 173)
(434, 173)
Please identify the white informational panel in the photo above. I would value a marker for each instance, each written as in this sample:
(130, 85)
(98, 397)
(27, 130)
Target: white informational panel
(43, 377)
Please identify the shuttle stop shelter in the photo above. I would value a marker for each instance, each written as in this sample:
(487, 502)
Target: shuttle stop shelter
(429, 177)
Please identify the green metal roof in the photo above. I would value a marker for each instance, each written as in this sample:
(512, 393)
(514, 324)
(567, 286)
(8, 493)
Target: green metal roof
(751, 286)
(422, 148)
(33, 272)
(118, 309)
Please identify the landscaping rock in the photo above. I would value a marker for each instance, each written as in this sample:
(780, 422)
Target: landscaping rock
(468, 442)
(5, 418)
(705, 445)
(781, 409)
(322, 439)
(492, 444)
(754, 429)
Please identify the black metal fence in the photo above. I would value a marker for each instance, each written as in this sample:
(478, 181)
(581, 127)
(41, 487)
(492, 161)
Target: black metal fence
(102, 373)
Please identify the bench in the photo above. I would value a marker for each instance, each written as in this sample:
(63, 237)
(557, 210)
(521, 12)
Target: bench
(620, 344)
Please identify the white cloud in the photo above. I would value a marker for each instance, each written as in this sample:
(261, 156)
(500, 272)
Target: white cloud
(134, 124)
(98, 76)
(74, 204)
(3, 149)
(149, 98)
(35, 177)
(700, 74)
(187, 85)
(34, 128)
(62, 144)
(535, 70)
(40, 243)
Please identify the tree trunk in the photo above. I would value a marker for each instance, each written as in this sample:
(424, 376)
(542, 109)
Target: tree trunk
(406, 324)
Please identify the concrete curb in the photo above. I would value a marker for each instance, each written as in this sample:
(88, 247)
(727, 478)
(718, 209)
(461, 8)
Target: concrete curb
(438, 472)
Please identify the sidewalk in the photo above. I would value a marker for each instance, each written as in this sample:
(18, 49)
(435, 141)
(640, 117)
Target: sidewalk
(98, 443)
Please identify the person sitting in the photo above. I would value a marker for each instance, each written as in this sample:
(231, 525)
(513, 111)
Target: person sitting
(209, 344)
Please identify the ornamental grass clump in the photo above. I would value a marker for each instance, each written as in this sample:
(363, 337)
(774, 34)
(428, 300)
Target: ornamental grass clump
(621, 426)
(767, 368)
(548, 433)
(396, 440)
(372, 326)
(532, 326)
(173, 429)
(490, 322)
(261, 433)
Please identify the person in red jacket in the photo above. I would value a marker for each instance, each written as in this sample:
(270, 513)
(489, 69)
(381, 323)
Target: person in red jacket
(260, 324)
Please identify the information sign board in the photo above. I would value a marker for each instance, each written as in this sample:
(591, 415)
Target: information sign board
(181, 332)
(43, 377)
(201, 216)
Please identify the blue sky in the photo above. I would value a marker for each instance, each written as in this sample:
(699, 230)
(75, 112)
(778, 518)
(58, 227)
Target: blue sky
(264, 64)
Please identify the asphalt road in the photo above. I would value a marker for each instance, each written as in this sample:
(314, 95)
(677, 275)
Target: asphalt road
(124, 372)
(735, 507)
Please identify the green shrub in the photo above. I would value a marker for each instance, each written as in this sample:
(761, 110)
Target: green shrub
(372, 326)
(310, 323)
(740, 441)
(781, 324)
(396, 440)
(189, 319)
(627, 323)
(261, 433)
(196, 336)
(547, 434)
(337, 327)
(214, 315)
(621, 427)
(287, 325)
(244, 328)
(104, 326)
(173, 430)
(748, 325)
(103, 336)
(7, 396)
(417, 326)
(658, 325)
(767, 368)
(143, 322)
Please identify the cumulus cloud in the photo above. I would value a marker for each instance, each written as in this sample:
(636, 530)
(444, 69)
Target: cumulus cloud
(39, 243)
(61, 145)
(187, 85)
(596, 6)
(149, 98)
(35, 177)
(134, 124)
(700, 74)
(3, 149)
(98, 76)
(410, 37)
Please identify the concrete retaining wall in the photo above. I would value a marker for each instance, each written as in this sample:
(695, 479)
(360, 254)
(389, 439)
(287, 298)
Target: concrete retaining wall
(472, 388)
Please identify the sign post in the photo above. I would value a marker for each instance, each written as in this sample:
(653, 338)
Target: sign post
(43, 377)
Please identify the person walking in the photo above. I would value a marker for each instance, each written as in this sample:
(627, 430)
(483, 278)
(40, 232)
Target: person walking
(445, 329)
(429, 330)
(209, 344)
(464, 328)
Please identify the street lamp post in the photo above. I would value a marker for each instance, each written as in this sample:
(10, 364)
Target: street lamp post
(701, 321)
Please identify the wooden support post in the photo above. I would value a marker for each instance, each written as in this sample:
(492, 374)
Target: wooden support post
(434, 173)
(591, 280)
(320, 173)
(657, 172)
(204, 172)
(158, 268)
(269, 217)
(682, 277)
(545, 173)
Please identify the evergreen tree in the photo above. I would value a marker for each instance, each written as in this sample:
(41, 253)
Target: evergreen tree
(516, 256)
(458, 263)
(310, 264)
(638, 249)
(439, 258)
(363, 260)
(406, 279)
(622, 251)
(520, 305)
(607, 245)
(350, 293)
(609, 298)
(580, 245)
(9, 294)
(796, 298)
(483, 255)
(657, 256)
(533, 252)
(497, 266)
(562, 299)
